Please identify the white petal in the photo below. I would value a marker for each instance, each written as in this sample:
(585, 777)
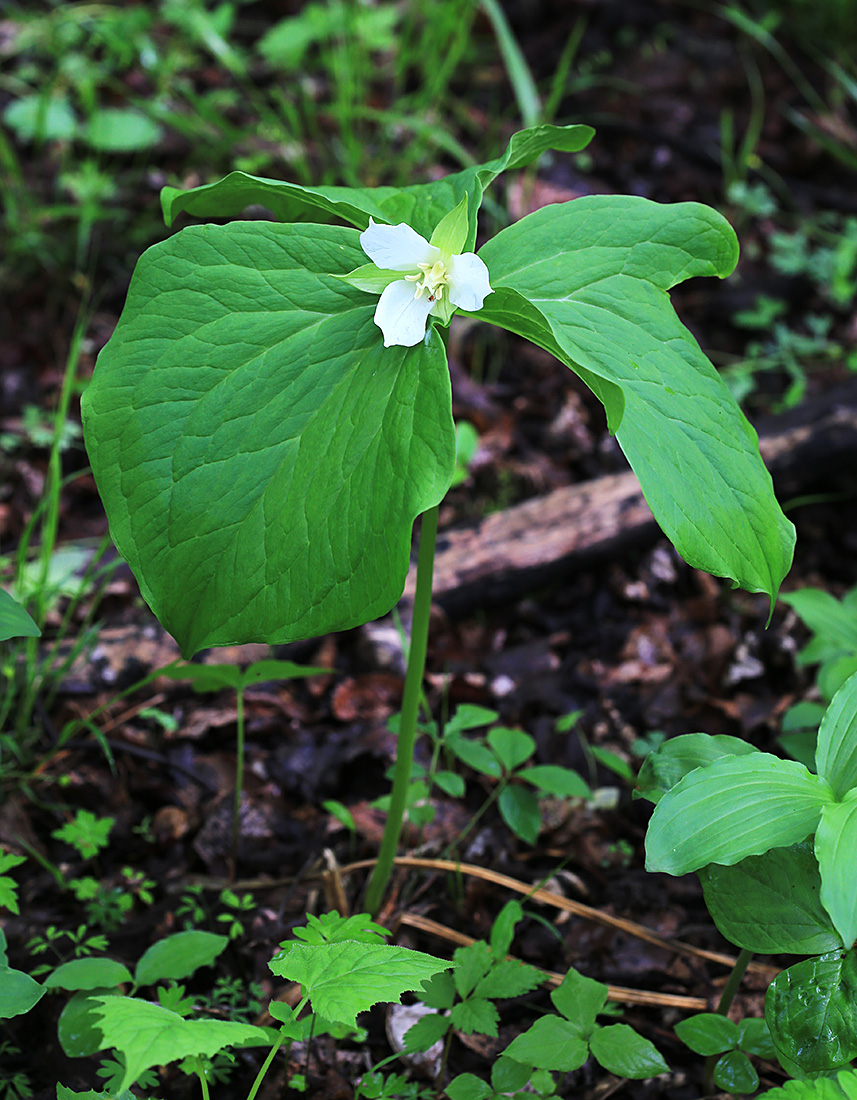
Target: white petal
(468, 281)
(400, 316)
(397, 247)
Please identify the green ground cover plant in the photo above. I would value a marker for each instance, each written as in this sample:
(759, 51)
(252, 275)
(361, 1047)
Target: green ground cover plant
(741, 819)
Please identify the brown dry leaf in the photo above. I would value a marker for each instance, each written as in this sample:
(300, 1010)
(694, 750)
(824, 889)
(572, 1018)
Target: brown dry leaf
(373, 697)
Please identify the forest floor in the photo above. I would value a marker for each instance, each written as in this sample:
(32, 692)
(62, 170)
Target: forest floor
(597, 666)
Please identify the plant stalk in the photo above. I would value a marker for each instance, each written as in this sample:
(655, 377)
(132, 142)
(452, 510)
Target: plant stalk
(410, 710)
(726, 998)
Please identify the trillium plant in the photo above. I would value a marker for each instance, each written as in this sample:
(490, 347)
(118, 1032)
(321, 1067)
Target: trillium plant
(273, 413)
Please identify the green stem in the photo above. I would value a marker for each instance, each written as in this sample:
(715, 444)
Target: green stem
(239, 780)
(410, 709)
(201, 1075)
(726, 998)
(734, 980)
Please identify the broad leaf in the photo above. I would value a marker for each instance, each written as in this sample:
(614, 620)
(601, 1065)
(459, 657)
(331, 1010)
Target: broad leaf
(342, 979)
(580, 999)
(551, 1043)
(674, 759)
(708, 1033)
(467, 1086)
(770, 903)
(18, 992)
(178, 956)
(14, 620)
(88, 974)
(734, 1073)
(519, 808)
(474, 754)
(261, 456)
(754, 1037)
(593, 274)
(738, 806)
(512, 747)
(422, 205)
(811, 1010)
(555, 780)
(79, 1026)
(620, 1050)
(149, 1035)
(507, 1075)
(835, 849)
(836, 750)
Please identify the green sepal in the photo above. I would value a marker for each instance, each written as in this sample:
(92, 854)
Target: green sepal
(370, 278)
(450, 234)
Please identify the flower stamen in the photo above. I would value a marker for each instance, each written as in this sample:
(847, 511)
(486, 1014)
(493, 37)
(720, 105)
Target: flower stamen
(431, 277)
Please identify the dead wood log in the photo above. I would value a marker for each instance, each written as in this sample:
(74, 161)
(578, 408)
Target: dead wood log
(539, 541)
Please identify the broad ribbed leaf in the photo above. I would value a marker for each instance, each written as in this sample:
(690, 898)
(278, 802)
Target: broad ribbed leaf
(342, 979)
(836, 750)
(580, 999)
(591, 278)
(738, 806)
(770, 903)
(260, 454)
(421, 205)
(836, 851)
(811, 1010)
(674, 759)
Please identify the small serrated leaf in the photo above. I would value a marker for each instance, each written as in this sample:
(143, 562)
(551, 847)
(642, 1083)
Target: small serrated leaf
(509, 978)
(426, 1032)
(475, 1016)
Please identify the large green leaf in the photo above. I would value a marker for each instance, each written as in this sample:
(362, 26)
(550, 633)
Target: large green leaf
(421, 205)
(836, 851)
(260, 454)
(149, 1035)
(836, 749)
(770, 903)
(738, 806)
(88, 974)
(593, 275)
(811, 1010)
(342, 979)
(674, 759)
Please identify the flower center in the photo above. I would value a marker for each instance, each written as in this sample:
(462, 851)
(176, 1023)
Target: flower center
(430, 278)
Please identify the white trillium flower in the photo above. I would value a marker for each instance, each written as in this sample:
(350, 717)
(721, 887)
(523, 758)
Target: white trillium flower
(417, 277)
